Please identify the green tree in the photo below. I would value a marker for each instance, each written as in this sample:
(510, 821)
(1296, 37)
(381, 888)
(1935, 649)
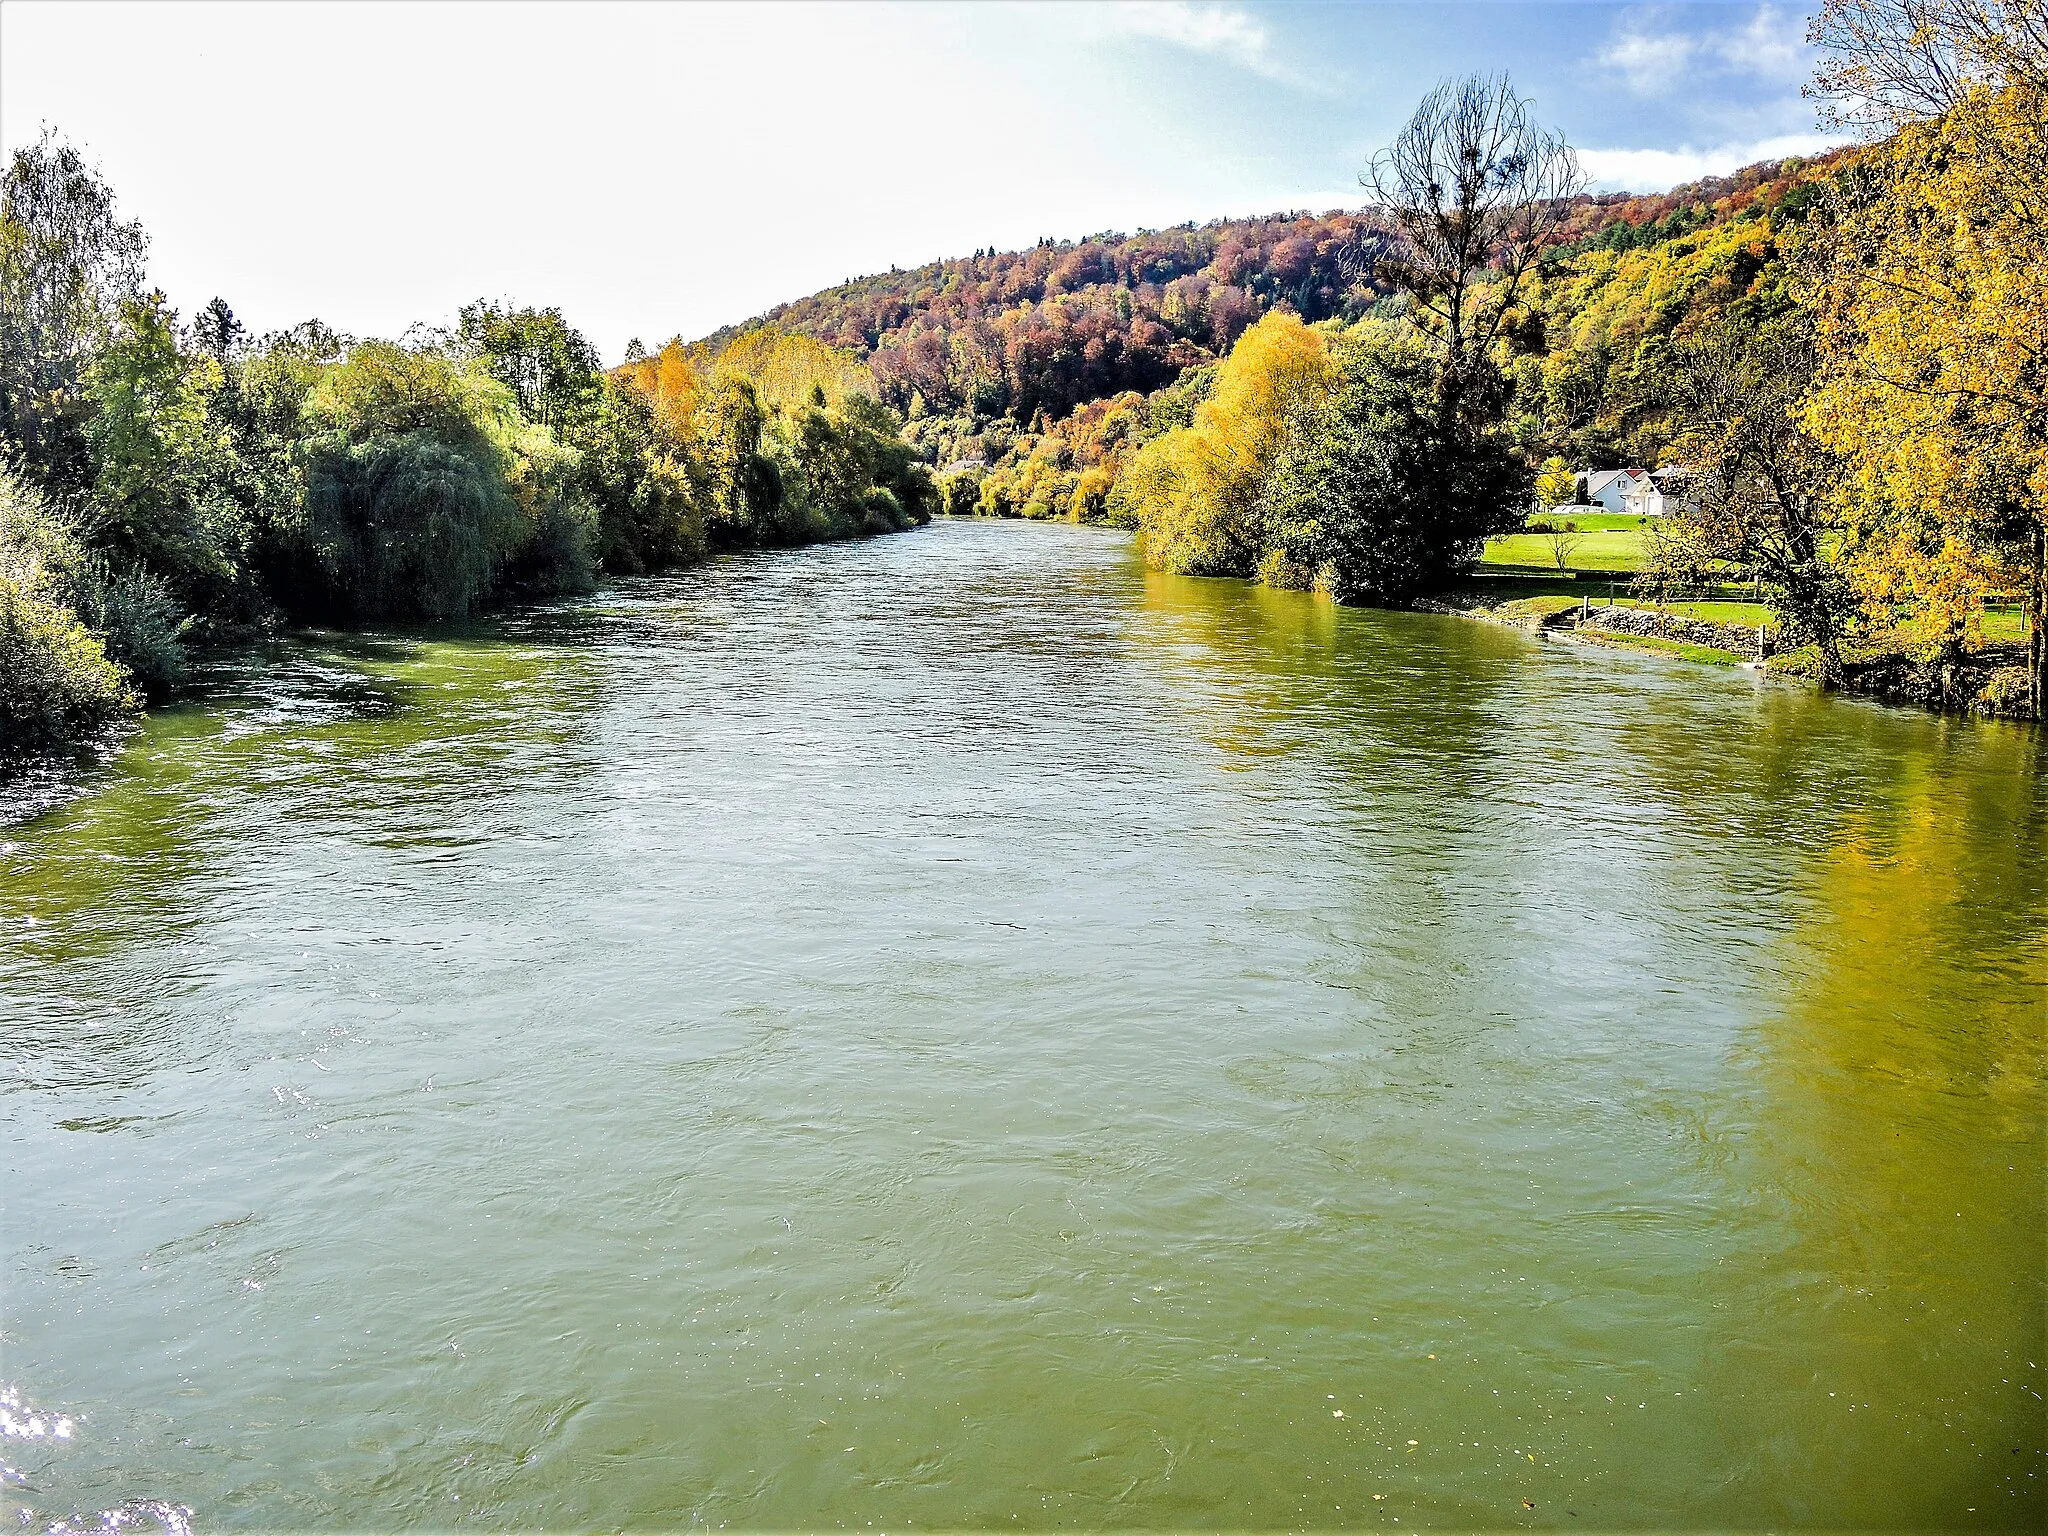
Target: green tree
(549, 366)
(409, 508)
(165, 471)
(649, 491)
(66, 266)
(745, 484)
(1374, 496)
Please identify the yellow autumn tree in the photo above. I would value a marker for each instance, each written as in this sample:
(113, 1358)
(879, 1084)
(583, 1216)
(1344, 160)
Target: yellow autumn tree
(1932, 301)
(787, 368)
(672, 384)
(1195, 490)
(1555, 483)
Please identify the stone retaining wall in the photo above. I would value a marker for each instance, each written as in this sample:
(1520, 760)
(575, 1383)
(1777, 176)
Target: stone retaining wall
(1739, 638)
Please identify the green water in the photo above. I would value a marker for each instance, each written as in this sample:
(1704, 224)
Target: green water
(956, 1030)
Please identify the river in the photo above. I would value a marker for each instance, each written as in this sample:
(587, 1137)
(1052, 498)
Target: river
(959, 1030)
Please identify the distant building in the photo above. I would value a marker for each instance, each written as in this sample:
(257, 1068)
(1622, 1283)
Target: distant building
(1633, 492)
(1680, 486)
(965, 466)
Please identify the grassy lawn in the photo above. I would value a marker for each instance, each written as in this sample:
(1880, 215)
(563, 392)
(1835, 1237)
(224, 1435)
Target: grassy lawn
(1496, 587)
(2005, 624)
(1591, 521)
(1750, 614)
(1616, 549)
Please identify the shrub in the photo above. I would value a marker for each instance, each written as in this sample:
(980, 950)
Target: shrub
(56, 683)
(56, 679)
(884, 513)
(138, 621)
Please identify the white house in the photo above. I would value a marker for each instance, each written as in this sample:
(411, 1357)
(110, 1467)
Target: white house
(1680, 486)
(1631, 491)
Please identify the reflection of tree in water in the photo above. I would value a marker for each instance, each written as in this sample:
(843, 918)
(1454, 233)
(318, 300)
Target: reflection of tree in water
(1891, 1175)
(281, 775)
(1263, 673)
(1838, 917)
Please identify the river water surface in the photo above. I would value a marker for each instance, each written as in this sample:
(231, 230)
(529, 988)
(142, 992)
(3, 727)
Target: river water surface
(957, 1030)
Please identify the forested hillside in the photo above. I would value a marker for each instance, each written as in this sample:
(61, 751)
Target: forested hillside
(1050, 366)
(982, 354)
(1046, 329)
(993, 331)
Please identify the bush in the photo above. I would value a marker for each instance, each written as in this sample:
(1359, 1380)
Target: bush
(56, 683)
(132, 613)
(56, 679)
(884, 513)
(139, 622)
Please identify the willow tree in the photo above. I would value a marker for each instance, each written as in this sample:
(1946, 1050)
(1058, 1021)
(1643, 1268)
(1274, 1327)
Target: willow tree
(1476, 191)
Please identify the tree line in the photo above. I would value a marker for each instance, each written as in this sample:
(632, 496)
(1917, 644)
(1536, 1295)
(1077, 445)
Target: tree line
(166, 484)
(1847, 354)
(1850, 355)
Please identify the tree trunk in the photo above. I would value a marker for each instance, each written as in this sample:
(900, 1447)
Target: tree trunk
(1830, 660)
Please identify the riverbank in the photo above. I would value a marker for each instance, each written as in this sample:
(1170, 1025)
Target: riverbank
(1990, 682)
(67, 690)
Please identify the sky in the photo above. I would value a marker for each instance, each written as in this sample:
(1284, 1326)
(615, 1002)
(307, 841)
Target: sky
(658, 170)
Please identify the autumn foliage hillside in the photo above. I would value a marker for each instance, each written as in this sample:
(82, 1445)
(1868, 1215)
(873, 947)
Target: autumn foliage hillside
(1047, 329)
(1020, 334)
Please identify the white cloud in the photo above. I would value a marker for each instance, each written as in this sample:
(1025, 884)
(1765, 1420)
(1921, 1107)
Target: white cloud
(1650, 58)
(1659, 60)
(1226, 32)
(1658, 170)
(1219, 29)
(1772, 46)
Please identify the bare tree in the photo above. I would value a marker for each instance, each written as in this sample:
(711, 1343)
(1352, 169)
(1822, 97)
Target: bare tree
(1765, 495)
(1564, 543)
(1477, 192)
(1888, 62)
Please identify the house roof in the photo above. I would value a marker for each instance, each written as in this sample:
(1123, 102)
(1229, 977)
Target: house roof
(1597, 480)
